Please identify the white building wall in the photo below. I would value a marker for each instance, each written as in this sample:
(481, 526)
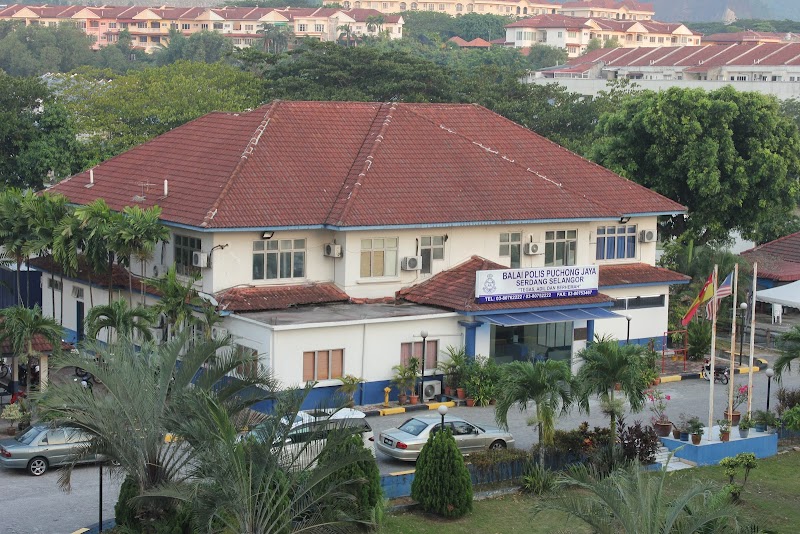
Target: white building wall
(646, 323)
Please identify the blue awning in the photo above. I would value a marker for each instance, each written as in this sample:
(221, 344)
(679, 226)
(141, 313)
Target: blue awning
(522, 318)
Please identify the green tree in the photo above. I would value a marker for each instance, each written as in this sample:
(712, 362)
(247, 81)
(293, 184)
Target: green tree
(102, 240)
(543, 56)
(126, 322)
(632, 501)
(789, 345)
(178, 299)
(605, 364)
(474, 25)
(19, 327)
(69, 239)
(592, 45)
(731, 157)
(140, 231)
(34, 50)
(442, 484)
(612, 43)
(142, 392)
(205, 46)
(549, 385)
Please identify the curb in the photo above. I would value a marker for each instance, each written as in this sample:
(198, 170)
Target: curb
(691, 376)
(411, 408)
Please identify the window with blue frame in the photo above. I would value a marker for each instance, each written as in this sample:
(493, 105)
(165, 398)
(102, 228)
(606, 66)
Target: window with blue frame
(616, 242)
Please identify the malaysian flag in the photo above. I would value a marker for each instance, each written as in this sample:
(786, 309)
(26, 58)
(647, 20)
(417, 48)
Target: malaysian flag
(724, 290)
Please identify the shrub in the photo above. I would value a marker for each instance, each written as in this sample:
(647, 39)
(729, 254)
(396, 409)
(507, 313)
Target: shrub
(570, 446)
(367, 492)
(638, 442)
(124, 511)
(442, 484)
(539, 480)
(788, 399)
(699, 339)
(731, 464)
(177, 521)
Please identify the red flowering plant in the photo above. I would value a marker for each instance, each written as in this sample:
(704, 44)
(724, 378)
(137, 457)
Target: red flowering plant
(740, 396)
(658, 405)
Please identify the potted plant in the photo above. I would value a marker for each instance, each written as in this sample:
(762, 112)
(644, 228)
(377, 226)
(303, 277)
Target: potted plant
(696, 430)
(405, 378)
(745, 424)
(772, 422)
(349, 387)
(453, 368)
(760, 420)
(683, 427)
(658, 406)
(724, 429)
(739, 397)
(12, 413)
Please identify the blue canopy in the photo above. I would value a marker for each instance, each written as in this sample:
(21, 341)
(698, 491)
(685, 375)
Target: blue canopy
(540, 317)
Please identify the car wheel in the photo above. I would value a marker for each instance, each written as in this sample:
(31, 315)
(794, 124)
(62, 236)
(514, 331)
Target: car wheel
(497, 445)
(37, 466)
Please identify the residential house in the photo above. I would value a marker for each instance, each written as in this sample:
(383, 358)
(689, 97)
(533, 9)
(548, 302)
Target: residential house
(331, 235)
(778, 261)
(608, 9)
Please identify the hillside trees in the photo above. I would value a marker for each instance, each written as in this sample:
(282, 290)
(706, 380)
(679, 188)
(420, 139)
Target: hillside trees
(731, 157)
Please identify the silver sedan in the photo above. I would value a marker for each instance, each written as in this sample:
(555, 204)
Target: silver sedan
(41, 447)
(405, 442)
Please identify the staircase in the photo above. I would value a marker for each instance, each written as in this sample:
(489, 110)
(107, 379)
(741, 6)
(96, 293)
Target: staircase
(675, 464)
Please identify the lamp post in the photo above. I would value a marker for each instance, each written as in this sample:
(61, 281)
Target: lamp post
(423, 335)
(442, 411)
(770, 372)
(628, 337)
(743, 307)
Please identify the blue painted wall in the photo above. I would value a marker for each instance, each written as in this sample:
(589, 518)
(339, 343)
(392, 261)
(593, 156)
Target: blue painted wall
(763, 445)
(30, 287)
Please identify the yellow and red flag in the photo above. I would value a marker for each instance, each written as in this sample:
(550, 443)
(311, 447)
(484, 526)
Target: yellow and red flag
(706, 294)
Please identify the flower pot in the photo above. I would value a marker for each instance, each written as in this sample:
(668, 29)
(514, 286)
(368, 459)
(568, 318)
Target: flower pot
(461, 393)
(448, 391)
(733, 418)
(11, 431)
(402, 398)
(414, 399)
(743, 432)
(761, 427)
(676, 434)
(470, 402)
(684, 436)
(696, 439)
(662, 429)
(725, 436)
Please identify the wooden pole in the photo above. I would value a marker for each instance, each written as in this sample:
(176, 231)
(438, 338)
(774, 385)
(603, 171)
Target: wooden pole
(734, 294)
(752, 340)
(712, 361)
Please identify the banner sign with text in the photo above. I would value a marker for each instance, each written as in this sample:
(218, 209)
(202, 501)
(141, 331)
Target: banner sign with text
(537, 283)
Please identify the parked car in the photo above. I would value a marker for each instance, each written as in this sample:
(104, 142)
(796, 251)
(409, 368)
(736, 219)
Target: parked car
(41, 447)
(405, 443)
(308, 433)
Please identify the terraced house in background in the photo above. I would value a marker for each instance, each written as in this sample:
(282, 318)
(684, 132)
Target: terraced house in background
(341, 238)
(150, 26)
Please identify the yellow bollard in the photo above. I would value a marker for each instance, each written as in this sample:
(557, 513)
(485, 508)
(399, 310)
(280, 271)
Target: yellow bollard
(386, 391)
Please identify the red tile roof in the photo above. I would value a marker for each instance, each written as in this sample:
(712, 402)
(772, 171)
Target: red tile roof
(120, 278)
(778, 260)
(609, 4)
(454, 289)
(354, 164)
(549, 21)
(241, 299)
(639, 273)
(40, 344)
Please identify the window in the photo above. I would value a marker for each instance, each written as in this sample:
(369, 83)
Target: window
(616, 242)
(217, 25)
(637, 303)
(248, 27)
(112, 24)
(572, 35)
(186, 26)
(441, 7)
(143, 39)
(141, 25)
(155, 39)
(560, 35)
(402, 6)
(184, 247)
(511, 245)
(54, 284)
(302, 27)
(94, 24)
(319, 27)
(173, 26)
(519, 35)
(559, 247)
(284, 258)
(652, 39)
(431, 248)
(407, 350)
(204, 26)
(155, 24)
(323, 364)
(77, 292)
(379, 257)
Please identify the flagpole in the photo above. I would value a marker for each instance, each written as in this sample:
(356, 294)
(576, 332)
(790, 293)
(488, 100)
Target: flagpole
(712, 361)
(752, 339)
(733, 340)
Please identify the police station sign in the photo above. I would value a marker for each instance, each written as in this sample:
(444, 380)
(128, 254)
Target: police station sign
(538, 283)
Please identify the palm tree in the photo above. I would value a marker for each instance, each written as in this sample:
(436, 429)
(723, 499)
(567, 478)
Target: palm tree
(178, 300)
(375, 23)
(276, 36)
(549, 385)
(44, 214)
(68, 241)
(15, 234)
(102, 240)
(606, 364)
(126, 322)
(789, 345)
(20, 325)
(141, 231)
(347, 30)
(143, 390)
(632, 501)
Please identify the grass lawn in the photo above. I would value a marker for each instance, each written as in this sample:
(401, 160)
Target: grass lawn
(771, 498)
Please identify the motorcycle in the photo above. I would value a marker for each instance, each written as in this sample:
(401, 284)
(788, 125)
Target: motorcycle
(722, 374)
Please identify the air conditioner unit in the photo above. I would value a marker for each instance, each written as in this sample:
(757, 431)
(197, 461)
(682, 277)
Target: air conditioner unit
(647, 236)
(533, 249)
(332, 250)
(430, 389)
(217, 332)
(411, 263)
(199, 259)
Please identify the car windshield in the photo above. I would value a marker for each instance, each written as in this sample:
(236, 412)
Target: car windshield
(414, 426)
(27, 437)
